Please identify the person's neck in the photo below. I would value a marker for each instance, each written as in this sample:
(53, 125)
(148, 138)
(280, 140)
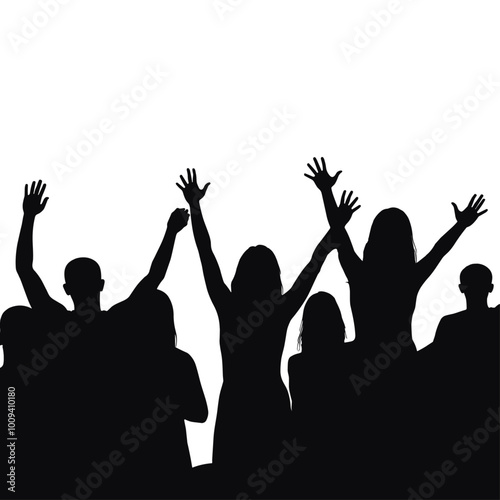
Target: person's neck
(477, 305)
(87, 304)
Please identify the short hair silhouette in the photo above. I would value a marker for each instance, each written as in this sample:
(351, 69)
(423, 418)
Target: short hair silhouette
(83, 277)
(390, 240)
(322, 325)
(258, 274)
(475, 279)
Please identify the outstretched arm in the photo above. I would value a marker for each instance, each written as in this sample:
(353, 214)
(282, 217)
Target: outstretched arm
(217, 289)
(297, 295)
(338, 215)
(324, 182)
(465, 218)
(34, 288)
(177, 221)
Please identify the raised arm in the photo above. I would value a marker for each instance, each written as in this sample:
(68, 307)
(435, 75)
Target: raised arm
(465, 218)
(177, 221)
(217, 289)
(338, 215)
(297, 295)
(34, 288)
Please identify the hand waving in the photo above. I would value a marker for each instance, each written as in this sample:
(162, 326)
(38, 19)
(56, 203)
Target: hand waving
(470, 214)
(345, 209)
(191, 190)
(178, 219)
(33, 204)
(321, 177)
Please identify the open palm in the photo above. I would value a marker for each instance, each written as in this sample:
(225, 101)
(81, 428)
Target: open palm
(471, 213)
(33, 204)
(323, 180)
(190, 189)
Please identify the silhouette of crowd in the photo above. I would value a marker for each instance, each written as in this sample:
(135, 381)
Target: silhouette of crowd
(102, 396)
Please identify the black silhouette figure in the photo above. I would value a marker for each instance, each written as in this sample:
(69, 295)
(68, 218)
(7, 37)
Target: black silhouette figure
(96, 350)
(254, 414)
(152, 368)
(384, 287)
(323, 402)
(462, 386)
(18, 330)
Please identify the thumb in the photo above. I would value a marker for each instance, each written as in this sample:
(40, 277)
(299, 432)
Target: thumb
(44, 203)
(204, 190)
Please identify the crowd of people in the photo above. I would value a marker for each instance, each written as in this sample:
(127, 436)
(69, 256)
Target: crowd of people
(103, 396)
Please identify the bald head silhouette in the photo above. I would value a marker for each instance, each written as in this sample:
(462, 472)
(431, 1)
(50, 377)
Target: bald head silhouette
(476, 284)
(83, 280)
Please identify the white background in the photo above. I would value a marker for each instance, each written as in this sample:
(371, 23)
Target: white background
(229, 70)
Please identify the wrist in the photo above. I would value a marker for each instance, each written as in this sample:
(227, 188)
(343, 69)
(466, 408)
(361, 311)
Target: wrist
(195, 205)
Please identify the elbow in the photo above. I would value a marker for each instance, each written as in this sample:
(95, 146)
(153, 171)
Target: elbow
(198, 415)
(22, 268)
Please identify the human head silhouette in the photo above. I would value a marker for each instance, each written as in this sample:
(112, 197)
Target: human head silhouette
(390, 243)
(476, 283)
(322, 327)
(156, 320)
(17, 332)
(257, 275)
(83, 280)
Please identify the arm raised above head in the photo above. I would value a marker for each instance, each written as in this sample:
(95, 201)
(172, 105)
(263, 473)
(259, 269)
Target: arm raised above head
(338, 215)
(465, 218)
(217, 289)
(176, 223)
(34, 288)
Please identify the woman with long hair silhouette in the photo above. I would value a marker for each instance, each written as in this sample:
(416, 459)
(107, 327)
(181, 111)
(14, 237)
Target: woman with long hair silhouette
(254, 414)
(385, 283)
(383, 291)
(323, 401)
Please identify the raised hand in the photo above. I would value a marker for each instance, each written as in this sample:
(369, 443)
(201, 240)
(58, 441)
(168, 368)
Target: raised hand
(178, 219)
(190, 189)
(470, 214)
(33, 204)
(345, 209)
(321, 177)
